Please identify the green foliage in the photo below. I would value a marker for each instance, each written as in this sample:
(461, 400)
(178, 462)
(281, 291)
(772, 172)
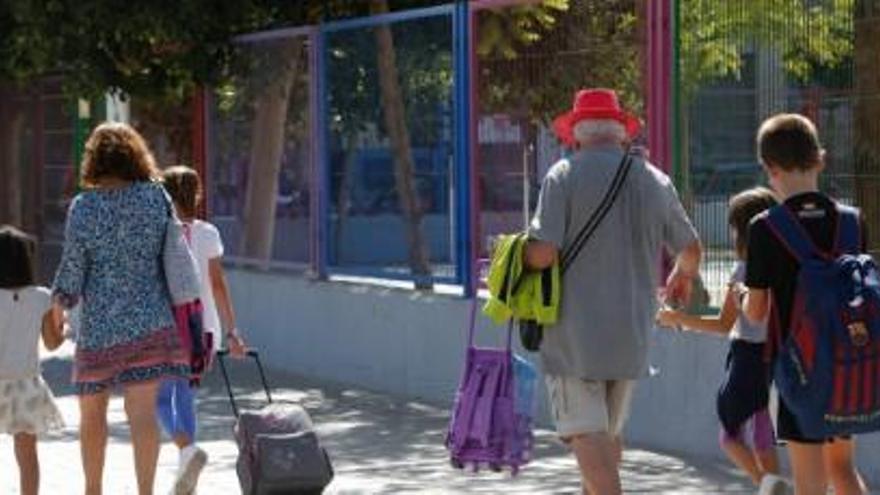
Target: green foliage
(424, 61)
(503, 32)
(809, 36)
(161, 48)
(158, 49)
(533, 58)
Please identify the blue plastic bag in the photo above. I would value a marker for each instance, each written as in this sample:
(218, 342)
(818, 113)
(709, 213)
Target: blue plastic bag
(526, 384)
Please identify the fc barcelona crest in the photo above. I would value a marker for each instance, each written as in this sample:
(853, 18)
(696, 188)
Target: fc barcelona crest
(858, 333)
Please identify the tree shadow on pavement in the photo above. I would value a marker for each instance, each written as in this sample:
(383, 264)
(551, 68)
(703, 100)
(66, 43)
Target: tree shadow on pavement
(381, 444)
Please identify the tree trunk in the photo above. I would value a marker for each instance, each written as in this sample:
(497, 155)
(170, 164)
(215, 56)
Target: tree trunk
(867, 116)
(267, 146)
(343, 197)
(404, 166)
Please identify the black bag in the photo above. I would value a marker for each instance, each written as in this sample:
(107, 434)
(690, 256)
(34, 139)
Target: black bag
(531, 333)
(278, 449)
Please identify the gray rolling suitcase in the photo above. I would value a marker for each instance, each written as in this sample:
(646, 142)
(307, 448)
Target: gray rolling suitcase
(279, 452)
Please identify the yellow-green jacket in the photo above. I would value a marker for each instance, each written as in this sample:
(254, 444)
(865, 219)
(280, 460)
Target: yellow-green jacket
(515, 292)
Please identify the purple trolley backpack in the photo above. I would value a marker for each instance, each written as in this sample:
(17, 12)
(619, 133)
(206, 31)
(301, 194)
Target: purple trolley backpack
(491, 424)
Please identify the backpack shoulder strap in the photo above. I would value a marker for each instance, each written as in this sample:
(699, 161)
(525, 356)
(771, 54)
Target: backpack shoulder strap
(595, 219)
(849, 230)
(789, 231)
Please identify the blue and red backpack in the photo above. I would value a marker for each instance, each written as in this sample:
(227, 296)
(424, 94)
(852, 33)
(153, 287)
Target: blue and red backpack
(827, 369)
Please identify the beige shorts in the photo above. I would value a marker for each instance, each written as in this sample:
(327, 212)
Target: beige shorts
(589, 406)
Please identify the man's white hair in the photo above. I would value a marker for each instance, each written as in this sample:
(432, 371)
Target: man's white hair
(599, 131)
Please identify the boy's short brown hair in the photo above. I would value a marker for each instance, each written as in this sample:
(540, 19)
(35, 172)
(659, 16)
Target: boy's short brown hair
(789, 141)
(743, 208)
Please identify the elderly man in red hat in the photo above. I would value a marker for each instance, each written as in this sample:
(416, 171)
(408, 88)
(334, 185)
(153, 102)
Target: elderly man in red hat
(598, 349)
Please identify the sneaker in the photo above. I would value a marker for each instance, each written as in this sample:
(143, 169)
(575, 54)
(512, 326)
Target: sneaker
(192, 461)
(772, 484)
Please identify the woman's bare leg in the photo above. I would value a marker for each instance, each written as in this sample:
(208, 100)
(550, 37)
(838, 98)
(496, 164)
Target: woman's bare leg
(93, 438)
(140, 406)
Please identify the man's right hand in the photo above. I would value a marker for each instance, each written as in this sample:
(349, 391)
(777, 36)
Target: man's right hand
(679, 286)
(539, 255)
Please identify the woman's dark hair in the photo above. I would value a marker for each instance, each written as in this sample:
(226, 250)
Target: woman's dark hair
(116, 151)
(185, 189)
(17, 253)
(743, 208)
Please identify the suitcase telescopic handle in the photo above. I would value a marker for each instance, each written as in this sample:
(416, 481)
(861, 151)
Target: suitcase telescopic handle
(253, 354)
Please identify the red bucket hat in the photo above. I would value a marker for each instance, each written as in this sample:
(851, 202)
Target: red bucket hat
(594, 104)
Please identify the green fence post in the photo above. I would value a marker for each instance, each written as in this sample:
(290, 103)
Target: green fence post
(81, 124)
(677, 151)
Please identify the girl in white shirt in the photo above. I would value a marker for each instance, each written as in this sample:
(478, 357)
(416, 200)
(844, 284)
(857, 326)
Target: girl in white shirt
(176, 402)
(747, 433)
(27, 406)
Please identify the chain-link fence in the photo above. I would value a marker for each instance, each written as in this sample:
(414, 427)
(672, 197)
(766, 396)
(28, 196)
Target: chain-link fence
(368, 175)
(396, 145)
(529, 60)
(389, 125)
(260, 173)
(741, 61)
(37, 135)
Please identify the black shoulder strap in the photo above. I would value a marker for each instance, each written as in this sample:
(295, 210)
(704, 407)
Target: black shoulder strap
(569, 255)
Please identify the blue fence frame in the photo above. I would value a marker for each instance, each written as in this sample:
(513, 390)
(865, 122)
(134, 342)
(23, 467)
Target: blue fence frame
(461, 27)
(321, 179)
(461, 224)
(463, 215)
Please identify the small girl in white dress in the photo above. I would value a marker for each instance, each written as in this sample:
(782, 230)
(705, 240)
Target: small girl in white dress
(27, 407)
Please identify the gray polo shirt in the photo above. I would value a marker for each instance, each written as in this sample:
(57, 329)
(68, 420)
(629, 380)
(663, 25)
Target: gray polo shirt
(609, 293)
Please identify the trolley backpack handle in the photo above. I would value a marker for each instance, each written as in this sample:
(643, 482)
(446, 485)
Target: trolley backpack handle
(251, 353)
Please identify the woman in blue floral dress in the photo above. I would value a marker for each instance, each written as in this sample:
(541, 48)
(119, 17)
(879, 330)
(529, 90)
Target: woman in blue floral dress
(112, 265)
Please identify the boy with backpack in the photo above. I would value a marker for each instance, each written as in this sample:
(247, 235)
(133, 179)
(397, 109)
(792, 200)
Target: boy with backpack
(805, 273)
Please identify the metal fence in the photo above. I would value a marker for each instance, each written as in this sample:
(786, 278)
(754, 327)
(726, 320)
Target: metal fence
(388, 89)
(340, 148)
(37, 136)
(407, 169)
(261, 154)
(322, 156)
(410, 138)
(528, 61)
(741, 61)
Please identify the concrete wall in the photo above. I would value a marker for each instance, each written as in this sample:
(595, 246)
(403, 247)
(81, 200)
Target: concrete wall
(412, 344)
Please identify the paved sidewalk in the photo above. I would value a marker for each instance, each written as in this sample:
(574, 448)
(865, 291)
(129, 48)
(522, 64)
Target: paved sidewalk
(379, 444)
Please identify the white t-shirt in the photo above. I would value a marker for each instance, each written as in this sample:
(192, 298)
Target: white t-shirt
(743, 329)
(207, 245)
(21, 319)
